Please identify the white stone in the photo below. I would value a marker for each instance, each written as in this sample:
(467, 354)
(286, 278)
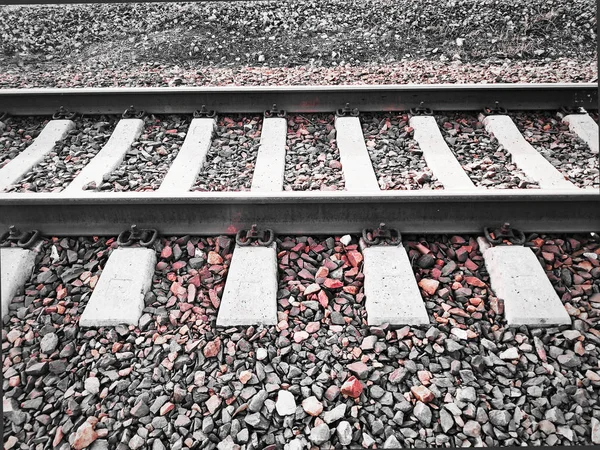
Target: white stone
(270, 162)
(438, 156)
(261, 353)
(55, 130)
(110, 157)
(296, 444)
(460, 333)
(17, 265)
(527, 158)
(191, 157)
(346, 239)
(250, 294)
(335, 414)
(509, 354)
(312, 406)
(344, 432)
(584, 127)
(518, 278)
(356, 163)
(286, 404)
(118, 298)
(92, 385)
(595, 431)
(391, 292)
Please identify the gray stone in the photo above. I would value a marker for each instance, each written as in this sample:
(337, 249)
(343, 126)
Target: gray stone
(49, 343)
(136, 442)
(344, 433)
(509, 354)
(446, 420)
(391, 442)
(376, 391)
(452, 345)
(466, 394)
(140, 410)
(423, 413)
(546, 427)
(595, 423)
(320, 434)
(257, 402)
(158, 445)
(335, 414)
(472, 429)
(40, 368)
(569, 360)
(227, 444)
(337, 318)
(368, 441)
(499, 418)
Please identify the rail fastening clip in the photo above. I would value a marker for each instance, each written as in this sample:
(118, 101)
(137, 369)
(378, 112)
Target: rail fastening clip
(64, 114)
(204, 113)
(274, 112)
(263, 238)
(504, 233)
(421, 110)
(496, 109)
(145, 237)
(24, 239)
(131, 113)
(346, 111)
(390, 235)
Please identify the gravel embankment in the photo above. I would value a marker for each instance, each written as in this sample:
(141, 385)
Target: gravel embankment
(278, 34)
(487, 163)
(177, 381)
(396, 157)
(70, 155)
(146, 164)
(304, 42)
(412, 70)
(232, 155)
(312, 159)
(17, 134)
(564, 149)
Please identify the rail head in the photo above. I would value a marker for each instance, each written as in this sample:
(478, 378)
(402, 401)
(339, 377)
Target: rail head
(301, 99)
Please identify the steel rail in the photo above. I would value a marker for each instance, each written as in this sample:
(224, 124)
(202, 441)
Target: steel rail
(212, 213)
(301, 99)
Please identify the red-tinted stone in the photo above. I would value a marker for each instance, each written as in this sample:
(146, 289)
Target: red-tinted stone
(428, 285)
(211, 349)
(352, 387)
(422, 393)
(166, 253)
(330, 283)
(474, 281)
(354, 258)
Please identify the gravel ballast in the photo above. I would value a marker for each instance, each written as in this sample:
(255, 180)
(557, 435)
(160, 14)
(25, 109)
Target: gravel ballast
(231, 158)
(146, 164)
(70, 155)
(487, 163)
(321, 376)
(18, 133)
(396, 157)
(410, 70)
(312, 159)
(561, 147)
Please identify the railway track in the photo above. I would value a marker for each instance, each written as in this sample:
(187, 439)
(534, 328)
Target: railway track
(172, 208)
(197, 330)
